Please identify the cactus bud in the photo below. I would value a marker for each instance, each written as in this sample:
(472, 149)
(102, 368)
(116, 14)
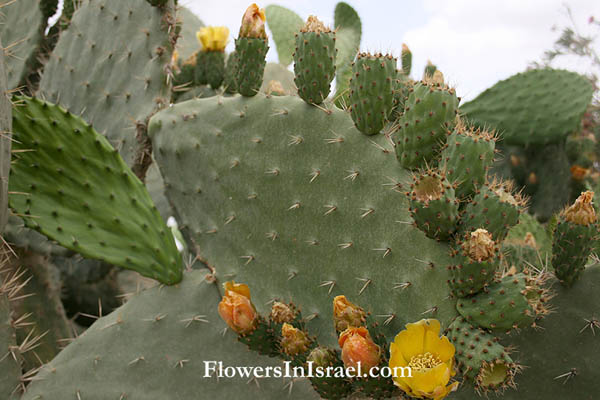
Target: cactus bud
(322, 357)
(293, 340)
(346, 314)
(213, 38)
(357, 346)
(582, 211)
(236, 309)
(253, 23)
(479, 246)
(282, 313)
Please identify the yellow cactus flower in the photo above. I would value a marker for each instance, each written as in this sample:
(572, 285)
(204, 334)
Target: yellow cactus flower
(253, 23)
(213, 38)
(236, 309)
(430, 357)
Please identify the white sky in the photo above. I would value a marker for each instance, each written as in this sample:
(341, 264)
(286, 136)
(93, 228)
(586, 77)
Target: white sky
(473, 42)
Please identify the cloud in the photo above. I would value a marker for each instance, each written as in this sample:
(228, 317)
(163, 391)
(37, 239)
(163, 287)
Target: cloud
(476, 43)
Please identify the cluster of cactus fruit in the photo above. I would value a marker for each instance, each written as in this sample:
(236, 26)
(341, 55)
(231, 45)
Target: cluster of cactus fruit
(389, 193)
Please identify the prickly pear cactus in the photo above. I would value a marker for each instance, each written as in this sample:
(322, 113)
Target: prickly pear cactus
(10, 357)
(5, 140)
(540, 106)
(60, 190)
(157, 346)
(295, 196)
(114, 84)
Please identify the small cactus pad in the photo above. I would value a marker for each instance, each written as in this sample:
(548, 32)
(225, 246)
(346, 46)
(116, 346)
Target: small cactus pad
(574, 236)
(59, 180)
(114, 84)
(467, 156)
(429, 116)
(299, 204)
(514, 301)
(371, 91)
(539, 106)
(477, 259)
(432, 204)
(314, 61)
(160, 345)
(406, 58)
(22, 25)
(495, 208)
(481, 357)
(251, 53)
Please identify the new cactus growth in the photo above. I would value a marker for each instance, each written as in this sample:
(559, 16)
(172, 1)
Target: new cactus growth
(433, 205)
(314, 61)
(573, 238)
(477, 259)
(371, 91)
(251, 48)
(481, 358)
(428, 118)
(406, 60)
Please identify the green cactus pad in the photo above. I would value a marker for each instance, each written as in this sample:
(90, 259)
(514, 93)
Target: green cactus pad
(74, 188)
(348, 29)
(22, 26)
(475, 264)
(110, 67)
(371, 91)
(314, 64)
(230, 71)
(481, 358)
(428, 118)
(539, 106)
(573, 240)
(10, 357)
(466, 158)
(433, 205)
(210, 68)
(298, 204)
(515, 301)
(251, 53)
(284, 24)
(187, 44)
(5, 139)
(154, 348)
(494, 208)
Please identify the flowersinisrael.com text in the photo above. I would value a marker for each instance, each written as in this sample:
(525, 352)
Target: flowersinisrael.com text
(216, 368)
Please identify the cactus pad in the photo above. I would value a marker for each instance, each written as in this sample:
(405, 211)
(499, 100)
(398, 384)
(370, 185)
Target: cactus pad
(60, 189)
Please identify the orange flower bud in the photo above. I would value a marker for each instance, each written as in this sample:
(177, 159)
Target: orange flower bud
(253, 23)
(236, 309)
(346, 314)
(281, 313)
(357, 346)
(293, 340)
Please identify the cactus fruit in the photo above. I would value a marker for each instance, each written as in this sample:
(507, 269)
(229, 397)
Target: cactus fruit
(114, 84)
(430, 70)
(514, 301)
(59, 189)
(574, 236)
(210, 61)
(371, 91)
(251, 48)
(406, 60)
(328, 387)
(466, 158)
(314, 61)
(433, 205)
(495, 207)
(248, 195)
(481, 357)
(230, 72)
(540, 106)
(429, 116)
(477, 259)
(347, 315)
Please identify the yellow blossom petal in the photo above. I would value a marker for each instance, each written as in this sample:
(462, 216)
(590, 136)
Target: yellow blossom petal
(428, 380)
(410, 341)
(440, 346)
